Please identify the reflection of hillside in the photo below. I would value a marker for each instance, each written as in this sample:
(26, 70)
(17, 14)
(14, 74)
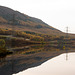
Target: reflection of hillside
(20, 61)
(27, 49)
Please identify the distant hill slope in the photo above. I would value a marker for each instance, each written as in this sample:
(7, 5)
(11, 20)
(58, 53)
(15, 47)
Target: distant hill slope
(24, 22)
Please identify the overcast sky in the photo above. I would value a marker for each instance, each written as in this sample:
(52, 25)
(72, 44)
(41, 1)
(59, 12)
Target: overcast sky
(57, 13)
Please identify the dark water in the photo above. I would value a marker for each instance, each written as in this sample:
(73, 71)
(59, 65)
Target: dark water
(39, 60)
(55, 66)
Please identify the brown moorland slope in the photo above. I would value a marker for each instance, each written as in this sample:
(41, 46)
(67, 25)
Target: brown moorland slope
(14, 20)
(24, 22)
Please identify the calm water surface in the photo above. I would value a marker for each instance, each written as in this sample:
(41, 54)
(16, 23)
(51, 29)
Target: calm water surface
(63, 64)
(39, 60)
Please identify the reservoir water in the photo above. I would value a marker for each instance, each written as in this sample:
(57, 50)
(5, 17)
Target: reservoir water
(63, 64)
(39, 60)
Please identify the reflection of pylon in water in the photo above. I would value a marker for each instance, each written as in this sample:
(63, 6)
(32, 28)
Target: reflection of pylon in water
(64, 48)
(66, 54)
(67, 42)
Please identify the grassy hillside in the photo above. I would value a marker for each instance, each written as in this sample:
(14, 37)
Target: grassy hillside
(20, 25)
(18, 21)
